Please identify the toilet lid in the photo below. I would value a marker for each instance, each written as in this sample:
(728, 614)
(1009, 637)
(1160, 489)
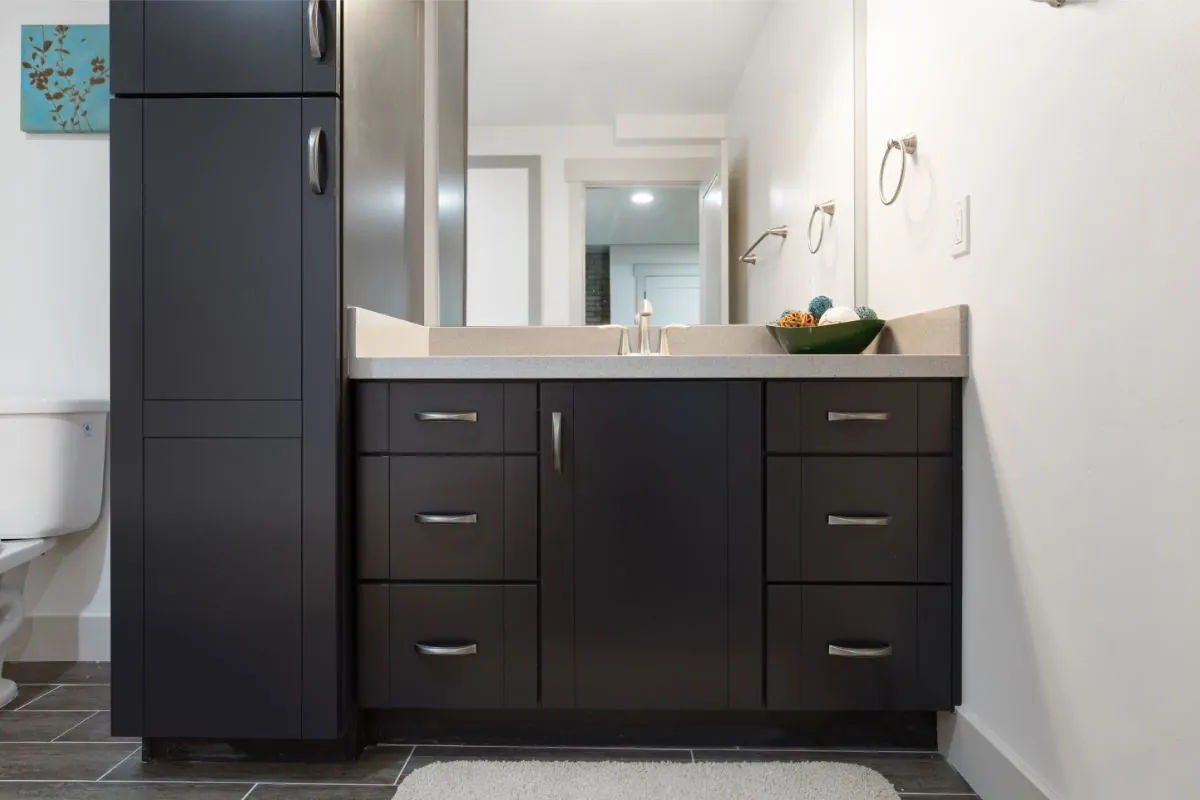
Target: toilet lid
(51, 405)
(15, 552)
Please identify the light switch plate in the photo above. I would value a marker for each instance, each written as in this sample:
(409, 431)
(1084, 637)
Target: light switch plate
(960, 230)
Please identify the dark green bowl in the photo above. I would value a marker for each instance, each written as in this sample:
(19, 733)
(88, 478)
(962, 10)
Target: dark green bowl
(844, 338)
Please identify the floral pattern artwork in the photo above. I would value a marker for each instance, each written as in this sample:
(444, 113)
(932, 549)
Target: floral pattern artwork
(64, 78)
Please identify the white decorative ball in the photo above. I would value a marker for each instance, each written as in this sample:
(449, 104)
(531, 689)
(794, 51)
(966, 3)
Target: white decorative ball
(839, 314)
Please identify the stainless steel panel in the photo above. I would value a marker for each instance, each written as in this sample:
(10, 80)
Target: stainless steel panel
(383, 156)
(452, 160)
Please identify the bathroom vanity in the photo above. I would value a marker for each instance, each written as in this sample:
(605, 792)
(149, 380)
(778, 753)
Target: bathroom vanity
(658, 534)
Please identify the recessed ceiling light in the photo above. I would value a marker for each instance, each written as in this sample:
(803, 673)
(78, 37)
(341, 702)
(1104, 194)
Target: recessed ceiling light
(642, 198)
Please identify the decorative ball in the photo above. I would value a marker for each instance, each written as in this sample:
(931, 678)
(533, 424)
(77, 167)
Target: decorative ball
(797, 319)
(866, 312)
(819, 305)
(839, 314)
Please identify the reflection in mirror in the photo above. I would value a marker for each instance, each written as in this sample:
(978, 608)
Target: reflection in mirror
(642, 242)
(603, 139)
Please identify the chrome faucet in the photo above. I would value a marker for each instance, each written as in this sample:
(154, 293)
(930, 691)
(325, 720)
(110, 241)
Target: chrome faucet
(643, 323)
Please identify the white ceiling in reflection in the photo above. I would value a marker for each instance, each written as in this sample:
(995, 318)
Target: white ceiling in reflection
(581, 62)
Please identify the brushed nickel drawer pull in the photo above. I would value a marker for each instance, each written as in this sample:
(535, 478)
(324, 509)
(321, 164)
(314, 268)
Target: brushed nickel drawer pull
(447, 416)
(316, 179)
(316, 31)
(447, 519)
(859, 416)
(844, 651)
(426, 649)
(839, 521)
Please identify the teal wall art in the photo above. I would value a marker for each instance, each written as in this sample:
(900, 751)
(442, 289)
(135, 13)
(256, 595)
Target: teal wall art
(64, 78)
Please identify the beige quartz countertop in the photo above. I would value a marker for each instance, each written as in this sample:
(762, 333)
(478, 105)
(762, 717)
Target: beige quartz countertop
(928, 345)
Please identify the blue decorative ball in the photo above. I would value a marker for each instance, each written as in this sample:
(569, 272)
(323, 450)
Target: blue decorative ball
(819, 305)
(866, 312)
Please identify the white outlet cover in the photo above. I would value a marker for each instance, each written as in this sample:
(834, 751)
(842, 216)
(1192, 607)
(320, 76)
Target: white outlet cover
(960, 228)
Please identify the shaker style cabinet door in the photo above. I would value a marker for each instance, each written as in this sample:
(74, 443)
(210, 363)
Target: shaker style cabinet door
(227, 232)
(224, 47)
(634, 547)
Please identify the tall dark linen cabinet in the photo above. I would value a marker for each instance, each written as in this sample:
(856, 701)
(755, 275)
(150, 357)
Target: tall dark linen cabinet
(253, 185)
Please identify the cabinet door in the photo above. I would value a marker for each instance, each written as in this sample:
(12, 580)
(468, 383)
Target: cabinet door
(635, 530)
(224, 47)
(225, 229)
(223, 610)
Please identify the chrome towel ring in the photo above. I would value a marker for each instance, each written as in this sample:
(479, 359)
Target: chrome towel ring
(828, 207)
(907, 147)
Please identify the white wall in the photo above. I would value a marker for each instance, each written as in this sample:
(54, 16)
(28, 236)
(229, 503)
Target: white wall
(555, 144)
(792, 146)
(54, 320)
(498, 246)
(1074, 130)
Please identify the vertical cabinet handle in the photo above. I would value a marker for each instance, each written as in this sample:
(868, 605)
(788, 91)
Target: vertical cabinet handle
(316, 31)
(316, 141)
(556, 432)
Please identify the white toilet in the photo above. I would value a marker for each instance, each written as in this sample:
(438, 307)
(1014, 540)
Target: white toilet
(51, 483)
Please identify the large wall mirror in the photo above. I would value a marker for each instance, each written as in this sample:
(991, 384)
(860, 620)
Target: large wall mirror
(626, 149)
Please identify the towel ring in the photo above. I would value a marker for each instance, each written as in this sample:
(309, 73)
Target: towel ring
(828, 207)
(907, 147)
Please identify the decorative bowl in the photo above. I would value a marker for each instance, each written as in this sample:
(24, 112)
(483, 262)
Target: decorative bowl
(843, 338)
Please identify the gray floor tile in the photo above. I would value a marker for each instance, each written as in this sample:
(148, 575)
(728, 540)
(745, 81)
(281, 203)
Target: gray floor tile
(38, 726)
(293, 792)
(59, 672)
(908, 772)
(60, 762)
(122, 791)
(377, 765)
(96, 729)
(25, 694)
(432, 754)
(74, 698)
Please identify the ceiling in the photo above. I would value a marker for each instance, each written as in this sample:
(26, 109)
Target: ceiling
(580, 62)
(673, 217)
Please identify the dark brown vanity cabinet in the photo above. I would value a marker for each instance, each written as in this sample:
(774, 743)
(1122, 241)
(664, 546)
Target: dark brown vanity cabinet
(643, 608)
(643, 545)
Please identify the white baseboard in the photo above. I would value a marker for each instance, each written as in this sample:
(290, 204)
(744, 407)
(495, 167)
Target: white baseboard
(63, 638)
(994, 771)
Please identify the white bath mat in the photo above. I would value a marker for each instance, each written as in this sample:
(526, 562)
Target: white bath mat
(608, 780)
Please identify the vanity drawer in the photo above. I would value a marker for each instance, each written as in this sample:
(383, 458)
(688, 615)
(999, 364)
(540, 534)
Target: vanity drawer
(447, 517)
(449, 646)
(446, 418)
(859, 648)
(860, 519)
(860, 417)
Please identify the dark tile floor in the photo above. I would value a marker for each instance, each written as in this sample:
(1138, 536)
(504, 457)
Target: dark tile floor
(55, 743)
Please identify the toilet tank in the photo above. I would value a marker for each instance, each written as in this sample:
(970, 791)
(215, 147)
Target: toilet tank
(51, 466)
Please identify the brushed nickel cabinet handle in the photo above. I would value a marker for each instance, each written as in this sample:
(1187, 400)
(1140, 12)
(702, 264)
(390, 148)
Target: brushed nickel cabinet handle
(859, 416)
(447, 416)
(316, 31)
(446, 519)
(556, 432)
(839, 521)
(316, 182)
(846, 651)
(426, 649)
